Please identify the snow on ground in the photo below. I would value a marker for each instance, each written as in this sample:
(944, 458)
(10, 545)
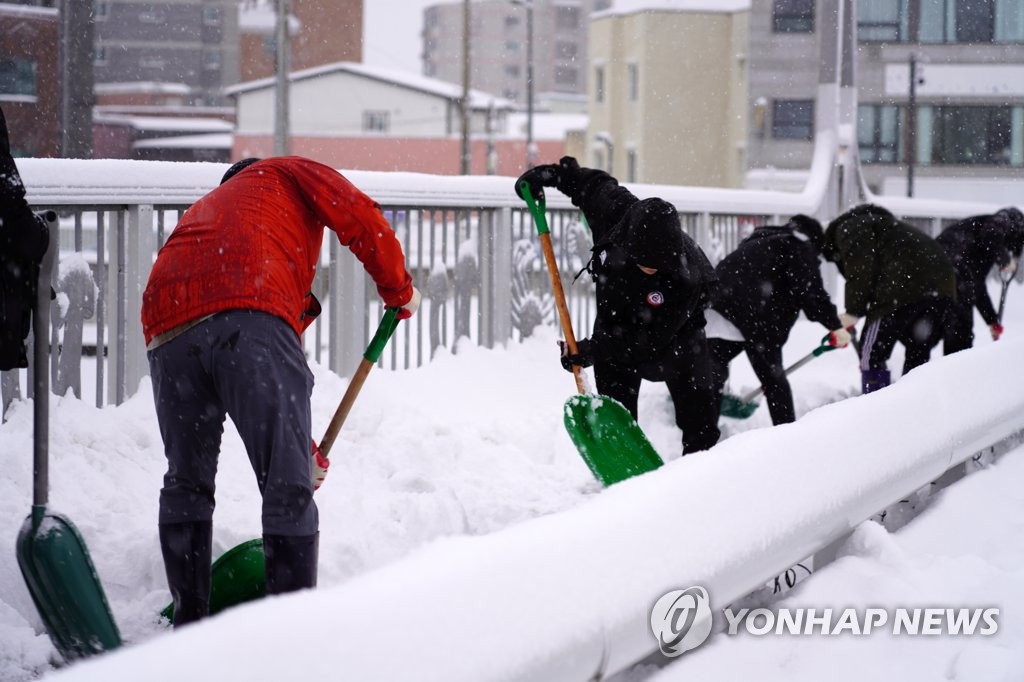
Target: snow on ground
(473, 443)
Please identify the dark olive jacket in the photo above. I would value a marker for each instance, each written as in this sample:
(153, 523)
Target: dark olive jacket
(887, 263)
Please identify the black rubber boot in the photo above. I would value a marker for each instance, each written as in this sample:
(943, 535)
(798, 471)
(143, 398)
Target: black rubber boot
(187, 550)
(291, 562)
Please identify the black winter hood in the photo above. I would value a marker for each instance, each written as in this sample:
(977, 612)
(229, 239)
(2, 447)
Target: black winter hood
(652, 236)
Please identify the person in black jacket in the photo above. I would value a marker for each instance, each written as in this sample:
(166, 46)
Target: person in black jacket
(762, 286)
(975, 245)
(24, 238)
(652, 284)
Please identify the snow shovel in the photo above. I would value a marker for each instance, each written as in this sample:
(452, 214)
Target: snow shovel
(1005, 279)
(605, 433)
(742, 408)
(239, 575)
(52, 556)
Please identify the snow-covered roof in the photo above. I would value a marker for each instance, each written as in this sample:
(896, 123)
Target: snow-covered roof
(694, 6)
(159, 123)
(10, 9)
(214, 141)
(477, 98)
(148, 87)
(262, 18)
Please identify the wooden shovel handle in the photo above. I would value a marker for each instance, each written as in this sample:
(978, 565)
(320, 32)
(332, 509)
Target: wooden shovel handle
(540, 219)
(384, 331)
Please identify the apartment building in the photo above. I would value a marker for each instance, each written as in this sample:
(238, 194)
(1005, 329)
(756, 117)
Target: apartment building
(957, 133)
(501, 39)
(190, 42)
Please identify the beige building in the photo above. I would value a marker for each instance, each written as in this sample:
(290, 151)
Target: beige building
(668, 91)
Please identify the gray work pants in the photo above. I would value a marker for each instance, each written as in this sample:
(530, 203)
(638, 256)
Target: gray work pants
(250, 366)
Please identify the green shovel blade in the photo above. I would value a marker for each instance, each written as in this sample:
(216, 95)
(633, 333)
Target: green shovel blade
(608, 438)
(237, 576)
(736, 407)
(64, 586)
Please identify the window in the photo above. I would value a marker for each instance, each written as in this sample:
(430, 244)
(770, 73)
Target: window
(99, 55)
(512, 70)
(565, 75)
(970, 135)
(18, 76)
(567, 18)
(510, 46)
(972, 21)
(211, 60)
(599, 83)
(100, 10)
(633, 81)
(793, 119)
(565, 49)
(793, 16)
(883, 21)
(878, 133)
(975, 21)
(511, 21)
(376, 121)
(211, 16)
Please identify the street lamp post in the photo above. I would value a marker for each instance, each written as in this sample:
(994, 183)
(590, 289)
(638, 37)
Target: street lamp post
(531, 150)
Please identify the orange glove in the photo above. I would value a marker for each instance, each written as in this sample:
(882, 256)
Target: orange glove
(320, 466)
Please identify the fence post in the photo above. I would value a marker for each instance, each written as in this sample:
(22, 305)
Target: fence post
(348, 330)
(496, 277)
(131, 260)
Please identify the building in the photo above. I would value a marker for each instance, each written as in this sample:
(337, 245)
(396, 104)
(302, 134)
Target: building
(358, 117)
(322, 32)
(500, 41)
(964, 124)
(30, 79)
(194, 43)
(668, 91)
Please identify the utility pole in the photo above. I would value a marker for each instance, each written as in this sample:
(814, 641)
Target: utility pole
(281, 146)
(911, 136)
(531, 148)
(466, 154)
(76, 100)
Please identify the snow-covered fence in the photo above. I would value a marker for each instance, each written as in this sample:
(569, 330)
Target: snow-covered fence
(116, 213)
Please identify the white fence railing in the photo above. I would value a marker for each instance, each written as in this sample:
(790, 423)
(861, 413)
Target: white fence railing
(469, 241)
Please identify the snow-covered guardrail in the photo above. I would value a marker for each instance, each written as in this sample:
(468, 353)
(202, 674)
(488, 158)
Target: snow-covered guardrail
(564, 596)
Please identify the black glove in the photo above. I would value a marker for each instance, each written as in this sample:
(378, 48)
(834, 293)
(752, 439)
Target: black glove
(584, 355)
(539, 177)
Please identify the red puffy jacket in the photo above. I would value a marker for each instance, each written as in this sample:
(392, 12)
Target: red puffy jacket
(254, 243)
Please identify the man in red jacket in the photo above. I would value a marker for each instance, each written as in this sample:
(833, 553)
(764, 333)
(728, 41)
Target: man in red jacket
(222, 314)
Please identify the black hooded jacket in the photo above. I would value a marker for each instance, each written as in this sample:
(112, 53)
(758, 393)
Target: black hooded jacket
(640, 318)
(766, 281)
(974, 245)
(23, 241)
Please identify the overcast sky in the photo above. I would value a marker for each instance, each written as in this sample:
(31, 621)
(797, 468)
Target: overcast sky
(392, 33)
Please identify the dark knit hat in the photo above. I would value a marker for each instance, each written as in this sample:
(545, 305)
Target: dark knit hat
(810, 228)
(653, 237)
(237, 167)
